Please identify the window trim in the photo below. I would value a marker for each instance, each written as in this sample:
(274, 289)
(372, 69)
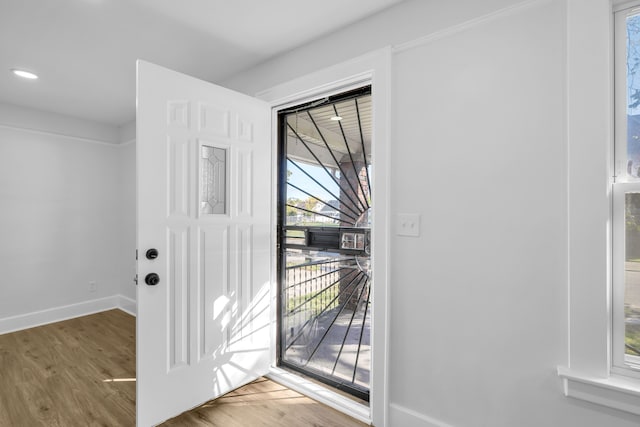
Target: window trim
(588, 374)
(615, 391)
(621, 186)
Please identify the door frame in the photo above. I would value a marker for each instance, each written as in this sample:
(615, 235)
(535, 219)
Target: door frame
(374, 69)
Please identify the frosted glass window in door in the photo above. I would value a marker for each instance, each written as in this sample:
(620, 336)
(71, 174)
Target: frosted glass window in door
(213, 180)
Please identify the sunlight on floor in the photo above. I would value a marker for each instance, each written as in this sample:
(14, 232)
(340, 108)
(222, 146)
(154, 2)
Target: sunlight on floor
(118, 380)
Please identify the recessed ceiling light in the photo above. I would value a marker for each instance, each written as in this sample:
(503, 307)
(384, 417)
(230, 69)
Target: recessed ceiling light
(24, 74)
(335, 118)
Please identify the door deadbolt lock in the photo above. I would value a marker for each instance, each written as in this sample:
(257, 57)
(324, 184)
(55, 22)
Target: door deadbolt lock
(152, 254)
(152, 279)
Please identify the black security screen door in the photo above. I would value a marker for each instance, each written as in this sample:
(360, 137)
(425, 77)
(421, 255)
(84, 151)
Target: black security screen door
(324, 230)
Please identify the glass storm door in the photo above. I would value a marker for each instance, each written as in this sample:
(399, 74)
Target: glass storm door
(324, 230)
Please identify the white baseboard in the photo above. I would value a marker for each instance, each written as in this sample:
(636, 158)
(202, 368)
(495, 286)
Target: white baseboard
(405, 417)
(127, 305)
(57, 314)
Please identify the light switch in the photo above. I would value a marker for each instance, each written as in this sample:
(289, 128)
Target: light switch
(408, 225)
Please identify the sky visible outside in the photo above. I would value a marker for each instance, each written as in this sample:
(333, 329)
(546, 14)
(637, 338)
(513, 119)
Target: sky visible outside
(633, 65)
(299, 179)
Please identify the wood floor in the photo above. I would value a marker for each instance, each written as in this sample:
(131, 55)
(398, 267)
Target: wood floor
(263, 403)
(81, 372)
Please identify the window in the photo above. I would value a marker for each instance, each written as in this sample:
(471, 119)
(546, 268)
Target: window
(596, 371)
(626, 196)
(213, 180)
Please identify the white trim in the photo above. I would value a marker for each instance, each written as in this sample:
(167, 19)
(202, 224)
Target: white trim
(128, 305)
(617, 166)
(464, 26)
(588, 375)
(567, 186)
(333, 88)
(125, 143)
(614, 392)
(375, 69)
(401, 416)
(57, 314)
(321, 394)
(589, 109)
(330, 80)
(59, 134)
(619, 5)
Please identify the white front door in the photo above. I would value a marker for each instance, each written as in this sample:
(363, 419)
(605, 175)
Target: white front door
(204, 173)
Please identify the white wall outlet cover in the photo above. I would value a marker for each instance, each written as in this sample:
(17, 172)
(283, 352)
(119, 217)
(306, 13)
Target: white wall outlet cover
(408, 225)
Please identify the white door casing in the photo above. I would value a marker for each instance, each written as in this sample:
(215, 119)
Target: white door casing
(373, 68)
(203, 330)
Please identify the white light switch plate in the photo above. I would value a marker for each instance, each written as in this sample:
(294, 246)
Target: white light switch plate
(408, 225)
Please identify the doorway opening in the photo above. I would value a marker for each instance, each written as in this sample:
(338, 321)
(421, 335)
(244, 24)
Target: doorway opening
(324, 240)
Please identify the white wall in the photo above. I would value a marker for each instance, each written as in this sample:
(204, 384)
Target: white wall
(410, 20)
(479, 149)
(127, 230)
(479, 123)
(62, 217)
(57, 124)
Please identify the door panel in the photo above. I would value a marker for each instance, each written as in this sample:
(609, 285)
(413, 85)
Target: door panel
(203, 161)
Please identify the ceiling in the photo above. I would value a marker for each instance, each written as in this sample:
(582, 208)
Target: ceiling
(84, 51)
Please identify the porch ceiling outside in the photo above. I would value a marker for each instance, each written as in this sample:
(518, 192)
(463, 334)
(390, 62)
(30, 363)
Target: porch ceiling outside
(313, 125)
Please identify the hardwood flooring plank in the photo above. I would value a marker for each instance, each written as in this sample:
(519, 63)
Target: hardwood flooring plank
(81, 372)
(263, 403)
(54, 375)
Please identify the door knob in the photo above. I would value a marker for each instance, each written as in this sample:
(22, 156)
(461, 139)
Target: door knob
(152, 254)
(152, 279)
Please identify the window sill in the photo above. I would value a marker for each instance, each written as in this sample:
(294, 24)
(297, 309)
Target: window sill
(614, 392)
